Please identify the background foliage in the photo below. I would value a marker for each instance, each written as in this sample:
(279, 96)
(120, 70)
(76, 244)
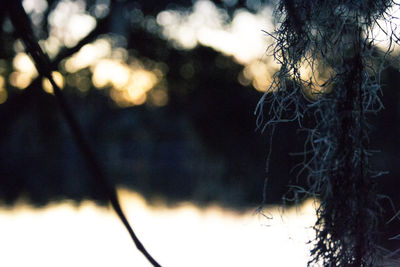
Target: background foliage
(192, 137)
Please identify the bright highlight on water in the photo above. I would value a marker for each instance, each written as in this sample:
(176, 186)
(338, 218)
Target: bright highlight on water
(66, 235)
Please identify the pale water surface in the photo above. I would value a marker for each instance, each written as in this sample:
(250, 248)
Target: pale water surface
(65, 235)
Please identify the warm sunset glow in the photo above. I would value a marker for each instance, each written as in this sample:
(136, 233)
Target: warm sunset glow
(3, 92)
(207, 25)
(108, 72)
(20, 79)
(258, 73)
(129, 84)
(88, 55)
(158, 97)
(315, 78)
(66, 235)
(59, 80)
(242, 38)
(51, 46)
(25, 71)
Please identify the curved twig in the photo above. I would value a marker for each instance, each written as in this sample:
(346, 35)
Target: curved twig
(22, 26)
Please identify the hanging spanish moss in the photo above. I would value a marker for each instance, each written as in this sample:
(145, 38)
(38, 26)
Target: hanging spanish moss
(329, 72)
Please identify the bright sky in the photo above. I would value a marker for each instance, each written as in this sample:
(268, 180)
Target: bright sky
(207, 25)
(66, 235)
(242, 38)
(385, 27)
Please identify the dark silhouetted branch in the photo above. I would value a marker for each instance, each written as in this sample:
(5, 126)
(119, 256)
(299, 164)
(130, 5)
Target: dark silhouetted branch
(22, 26)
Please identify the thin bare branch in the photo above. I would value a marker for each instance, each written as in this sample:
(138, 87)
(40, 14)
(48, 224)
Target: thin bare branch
(22, 25)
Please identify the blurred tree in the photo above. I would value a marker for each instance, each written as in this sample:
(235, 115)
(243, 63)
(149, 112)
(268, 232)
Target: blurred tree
(194, 85)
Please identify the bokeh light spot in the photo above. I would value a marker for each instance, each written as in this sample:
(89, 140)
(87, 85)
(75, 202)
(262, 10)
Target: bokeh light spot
(88, 55)
(19, 80)
(128, 84)
(158, 97)
(3, 96)
(70, 23)
(23, 63)
(25, 71)
(3, 92)
(59, 80)
(207, 25)
(37, 6)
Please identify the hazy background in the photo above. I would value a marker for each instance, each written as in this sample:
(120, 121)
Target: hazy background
(166, 92)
